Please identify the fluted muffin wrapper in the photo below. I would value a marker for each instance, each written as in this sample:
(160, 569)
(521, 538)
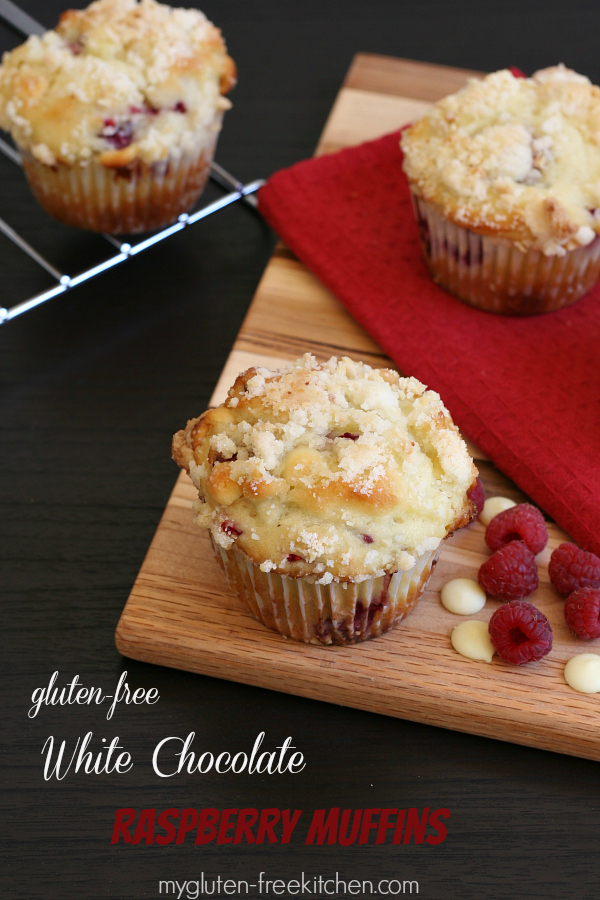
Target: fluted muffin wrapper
(335, 613)
(138, 197)
(492, 274)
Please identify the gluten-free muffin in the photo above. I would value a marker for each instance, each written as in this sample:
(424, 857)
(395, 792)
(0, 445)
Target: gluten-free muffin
(117, 111)
(505, 179)
(328, 489)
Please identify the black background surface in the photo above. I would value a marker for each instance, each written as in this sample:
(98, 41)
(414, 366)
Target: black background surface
(94, 384)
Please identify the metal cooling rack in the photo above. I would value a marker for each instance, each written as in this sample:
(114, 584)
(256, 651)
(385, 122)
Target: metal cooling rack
(24, 24)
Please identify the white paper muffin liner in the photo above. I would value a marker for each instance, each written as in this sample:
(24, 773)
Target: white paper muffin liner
(138, 197)
(336, 613)
(492, 274)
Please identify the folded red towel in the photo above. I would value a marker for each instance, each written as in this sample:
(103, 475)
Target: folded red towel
(526, 391)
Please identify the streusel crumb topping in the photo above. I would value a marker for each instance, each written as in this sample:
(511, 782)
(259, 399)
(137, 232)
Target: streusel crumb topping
(336, 469)
(514, 157)
(120, 80)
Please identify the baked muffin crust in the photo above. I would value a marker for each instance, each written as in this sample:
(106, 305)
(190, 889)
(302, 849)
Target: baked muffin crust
(336, 469)
(119, 81)
(517, 158)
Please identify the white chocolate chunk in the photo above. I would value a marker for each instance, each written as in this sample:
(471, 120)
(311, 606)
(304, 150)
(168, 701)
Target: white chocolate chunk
(463, 596)
(492, 507)
(585, 235)
(472, 639)
(582, 673)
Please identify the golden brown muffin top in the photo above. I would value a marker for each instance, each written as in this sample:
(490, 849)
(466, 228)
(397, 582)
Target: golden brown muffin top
(117, 81)
(332, 469)
(514, 157)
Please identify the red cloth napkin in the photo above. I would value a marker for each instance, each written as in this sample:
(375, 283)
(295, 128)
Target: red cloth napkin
(526, 391)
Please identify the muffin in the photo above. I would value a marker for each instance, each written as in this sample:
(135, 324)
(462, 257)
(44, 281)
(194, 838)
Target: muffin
(328, 489)
(116, 112)
(505, 181)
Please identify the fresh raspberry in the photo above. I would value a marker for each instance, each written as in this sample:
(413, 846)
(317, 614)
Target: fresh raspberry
(477, 495)
(510, 574)
(520, 632)
(571, 568)
(519, 523)
(582, 613)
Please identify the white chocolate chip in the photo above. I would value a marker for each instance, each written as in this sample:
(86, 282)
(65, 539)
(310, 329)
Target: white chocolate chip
(463, 596)
(582, 673)
(472, 639)
(492, 507)
(585, 235)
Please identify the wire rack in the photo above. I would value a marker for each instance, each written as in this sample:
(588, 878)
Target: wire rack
(23, 23)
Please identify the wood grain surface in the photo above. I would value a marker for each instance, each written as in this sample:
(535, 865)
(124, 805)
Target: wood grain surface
(180, 612)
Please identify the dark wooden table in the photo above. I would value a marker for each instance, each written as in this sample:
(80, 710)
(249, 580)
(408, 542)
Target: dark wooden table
(93, 385)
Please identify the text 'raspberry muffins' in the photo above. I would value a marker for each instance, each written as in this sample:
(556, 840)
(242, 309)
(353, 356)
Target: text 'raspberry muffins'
(505, 179)
(328, 490)
(116, 112)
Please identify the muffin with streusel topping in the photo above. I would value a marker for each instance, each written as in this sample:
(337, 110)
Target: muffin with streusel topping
(116, 112)
(328, 490)
(505, 179)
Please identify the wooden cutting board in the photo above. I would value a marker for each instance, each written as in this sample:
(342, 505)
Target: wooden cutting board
(180, 612)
